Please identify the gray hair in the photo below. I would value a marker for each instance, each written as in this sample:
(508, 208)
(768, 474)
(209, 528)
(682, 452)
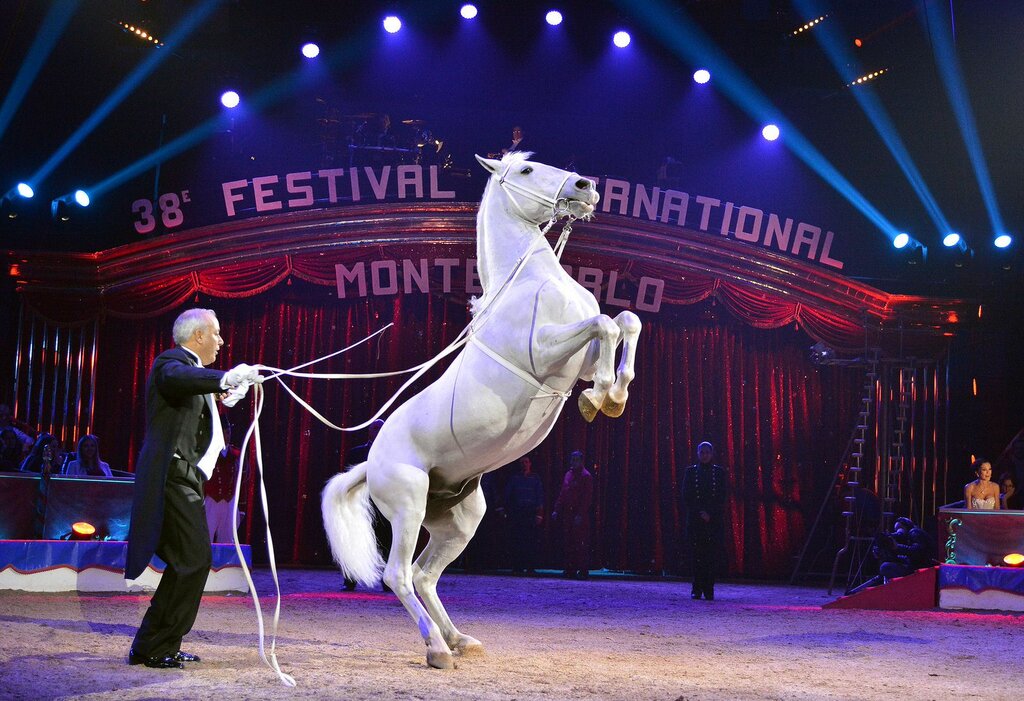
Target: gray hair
(189, 321)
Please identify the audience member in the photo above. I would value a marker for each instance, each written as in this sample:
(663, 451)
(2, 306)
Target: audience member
(704, 488)
(45, 449)
(524, 504)
(12, 450)
(572, 512)
(1013, 498)
(518, 143)
(907, 549)
(26, 434)
(982, 493)
(87, 462)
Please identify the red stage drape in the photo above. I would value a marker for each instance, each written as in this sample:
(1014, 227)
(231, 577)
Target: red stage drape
(778, 421)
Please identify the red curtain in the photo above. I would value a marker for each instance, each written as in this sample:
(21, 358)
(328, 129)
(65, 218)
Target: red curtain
(779, 423)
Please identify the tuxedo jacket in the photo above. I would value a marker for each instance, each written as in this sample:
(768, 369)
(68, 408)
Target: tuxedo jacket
(175, 399)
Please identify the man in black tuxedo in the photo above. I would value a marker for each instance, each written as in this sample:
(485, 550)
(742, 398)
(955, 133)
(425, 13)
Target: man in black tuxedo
(183, 439)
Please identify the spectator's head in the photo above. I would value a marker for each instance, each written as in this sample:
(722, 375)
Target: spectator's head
(705, 453)
(526, 465)
(576, 461)
(1007, 484)
(517, 133)
(89, 450)
(983, 469)
(9, 442)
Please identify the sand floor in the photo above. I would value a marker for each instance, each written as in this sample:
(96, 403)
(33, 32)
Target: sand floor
(545, 638)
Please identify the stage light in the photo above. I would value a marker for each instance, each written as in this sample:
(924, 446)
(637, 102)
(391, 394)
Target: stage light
(82, 531)
(808, 25)
(911, 251)
(392, 24)
(554, 18)
(145, 36)
(63, 208)
(621, 39)
(1014, 560)
(952, 239)
(468, 11)
(701, 75)
(858, 43)
(867, 77)
(14, 203)
(310, 50)
(230, 99)
(1003, 241)
(770, 132)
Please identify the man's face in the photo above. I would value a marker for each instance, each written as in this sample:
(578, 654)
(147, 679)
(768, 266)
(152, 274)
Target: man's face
(704, 454)
(517, 134)
(207, 341)
(526, 465)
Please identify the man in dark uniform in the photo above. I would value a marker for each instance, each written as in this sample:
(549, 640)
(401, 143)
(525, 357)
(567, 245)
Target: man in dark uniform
(183, 439)
(704, 486)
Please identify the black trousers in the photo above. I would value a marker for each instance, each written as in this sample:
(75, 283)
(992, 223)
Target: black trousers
(704, 539)
(185, 547)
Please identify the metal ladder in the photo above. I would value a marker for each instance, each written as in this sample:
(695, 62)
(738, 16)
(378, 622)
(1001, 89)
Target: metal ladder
(853, 542)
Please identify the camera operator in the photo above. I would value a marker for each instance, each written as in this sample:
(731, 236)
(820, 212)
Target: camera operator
(907, 549)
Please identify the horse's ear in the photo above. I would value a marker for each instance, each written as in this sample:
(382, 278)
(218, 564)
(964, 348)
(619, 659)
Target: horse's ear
(490, 164)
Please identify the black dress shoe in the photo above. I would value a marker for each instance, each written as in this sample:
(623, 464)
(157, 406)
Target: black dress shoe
(181, 656)
(695, 595)
(709, 595)
(157, 662)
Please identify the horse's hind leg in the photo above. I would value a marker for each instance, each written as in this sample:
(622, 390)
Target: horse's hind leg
(629, 324)
(450, 530)
(400, 492)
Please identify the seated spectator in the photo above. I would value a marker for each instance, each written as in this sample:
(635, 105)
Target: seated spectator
(11, 450)
(88, 463)
(1012, 497)
(43, 451)
(982, 493)
(25, 433)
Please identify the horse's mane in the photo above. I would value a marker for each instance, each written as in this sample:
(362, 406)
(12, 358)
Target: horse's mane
(476, 304)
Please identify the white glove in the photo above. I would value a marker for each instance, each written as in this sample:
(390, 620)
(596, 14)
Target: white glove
(235, 394)
(242, 374)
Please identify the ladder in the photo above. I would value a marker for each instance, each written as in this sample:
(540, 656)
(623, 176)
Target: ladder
(854, 543)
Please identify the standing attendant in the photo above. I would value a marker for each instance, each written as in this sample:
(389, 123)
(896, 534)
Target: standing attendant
(704, 486)
(183, 440)
(572, 512)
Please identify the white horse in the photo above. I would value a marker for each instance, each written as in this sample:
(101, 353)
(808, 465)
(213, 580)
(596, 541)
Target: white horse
(535, 332)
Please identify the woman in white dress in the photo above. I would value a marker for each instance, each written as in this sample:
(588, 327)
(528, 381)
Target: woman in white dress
(982, 494)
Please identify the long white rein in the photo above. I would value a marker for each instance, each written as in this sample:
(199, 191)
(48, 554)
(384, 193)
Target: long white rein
(558, 209)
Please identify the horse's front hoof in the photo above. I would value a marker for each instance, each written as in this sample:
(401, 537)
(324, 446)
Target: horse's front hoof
(468, 646)
(440, 660)
(587, 407)
(613, 409)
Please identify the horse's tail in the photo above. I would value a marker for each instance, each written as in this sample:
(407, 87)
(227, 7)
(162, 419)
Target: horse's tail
(348, 520)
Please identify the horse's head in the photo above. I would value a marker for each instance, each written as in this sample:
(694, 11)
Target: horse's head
(541, 192)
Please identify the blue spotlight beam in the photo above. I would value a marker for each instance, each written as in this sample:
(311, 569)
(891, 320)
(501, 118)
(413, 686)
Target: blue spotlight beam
(53, 27)
(849, 68)
(690, 43)
(939, 25)
(268, 95)
(127, 86)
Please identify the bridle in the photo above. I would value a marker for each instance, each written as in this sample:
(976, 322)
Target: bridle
(559, 206)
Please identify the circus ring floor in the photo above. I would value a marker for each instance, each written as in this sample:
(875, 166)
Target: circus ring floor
(546, 638)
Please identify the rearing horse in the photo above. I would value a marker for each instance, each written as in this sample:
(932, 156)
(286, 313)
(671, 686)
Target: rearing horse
(535, 332)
